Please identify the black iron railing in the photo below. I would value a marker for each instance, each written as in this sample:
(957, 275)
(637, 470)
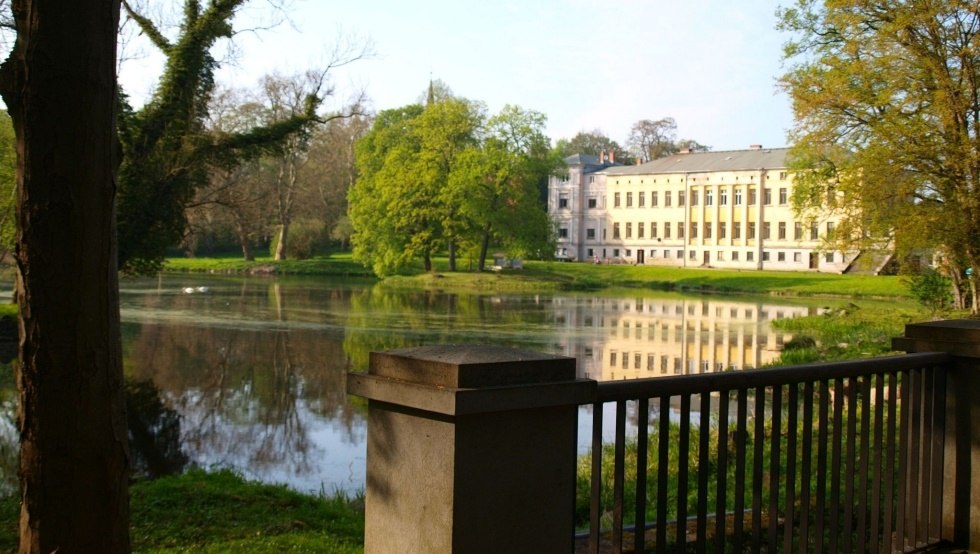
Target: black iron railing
(837, 457)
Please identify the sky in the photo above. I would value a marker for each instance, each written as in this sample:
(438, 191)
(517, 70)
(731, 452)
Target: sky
(711, 65)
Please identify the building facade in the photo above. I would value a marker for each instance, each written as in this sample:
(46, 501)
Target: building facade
(729, 209)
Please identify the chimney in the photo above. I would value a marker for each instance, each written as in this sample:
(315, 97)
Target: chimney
(602, 156)
(612, 156)
(755, 147)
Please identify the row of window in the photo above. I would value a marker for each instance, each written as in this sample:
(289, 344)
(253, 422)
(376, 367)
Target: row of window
(708, 229)
(709, 198)
(720, 255)
(664, 362)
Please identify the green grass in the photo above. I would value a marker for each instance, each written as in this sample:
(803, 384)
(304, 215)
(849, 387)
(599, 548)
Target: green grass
(556, 276)
(221, 512)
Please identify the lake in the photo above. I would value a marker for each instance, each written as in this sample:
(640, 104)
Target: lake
(256, 366)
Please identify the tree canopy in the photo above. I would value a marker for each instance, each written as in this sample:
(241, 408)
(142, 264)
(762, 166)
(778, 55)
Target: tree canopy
(886, 97)
(443, 176)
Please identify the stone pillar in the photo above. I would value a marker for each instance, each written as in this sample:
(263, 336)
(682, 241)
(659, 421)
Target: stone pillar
(471, 449)
(961, 471)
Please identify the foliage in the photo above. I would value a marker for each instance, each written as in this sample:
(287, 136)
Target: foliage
(932, 289)
(8, 185)
(167, 151)
(444, 177)
(885, 96)
(588, 142)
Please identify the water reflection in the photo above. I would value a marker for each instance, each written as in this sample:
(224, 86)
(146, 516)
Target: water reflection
(256, 367)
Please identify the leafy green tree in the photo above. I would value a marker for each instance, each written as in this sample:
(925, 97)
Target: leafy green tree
(588, 142)
(887, 134)
(397, 206)
(388, 233)
(495, 185)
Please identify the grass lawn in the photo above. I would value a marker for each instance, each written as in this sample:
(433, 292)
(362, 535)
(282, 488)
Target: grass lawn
(551, 276)
(221, 512)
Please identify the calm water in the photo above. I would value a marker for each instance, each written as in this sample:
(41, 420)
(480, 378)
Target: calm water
(256, 366)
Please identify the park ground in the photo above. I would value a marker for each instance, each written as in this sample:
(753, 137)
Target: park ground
(220, 511)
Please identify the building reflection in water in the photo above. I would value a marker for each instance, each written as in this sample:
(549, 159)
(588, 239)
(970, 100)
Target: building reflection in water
(622, 338)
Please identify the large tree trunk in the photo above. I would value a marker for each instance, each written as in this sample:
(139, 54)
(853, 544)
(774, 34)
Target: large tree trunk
(59, 85)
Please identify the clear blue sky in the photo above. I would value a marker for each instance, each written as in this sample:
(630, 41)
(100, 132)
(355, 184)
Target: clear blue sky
(710, 64)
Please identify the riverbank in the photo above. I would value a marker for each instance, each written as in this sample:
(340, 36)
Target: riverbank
(221, 512)
(555, 276)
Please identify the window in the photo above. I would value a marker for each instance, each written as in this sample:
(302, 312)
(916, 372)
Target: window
(636, 360)
(814, 231)
(615, 252)
(563, 233)
(783, 197)
(680, 254)
(797, 256)
(603, 236)
(736, 230)
(767, 196)
(653, 198)
(666, 230)
(563, 201)
(749, 256)
(641, 201)
(653, 229)
(590, 234)
(680, 197)
(751, 230)
(629, 199)
(722, 230)
(720, 255)
(709, 197)
(752, 197)
(830, 230)
(590, 253)
(612, 358)
(629, 230)
(592, 202)
(653, 253)
(735, 256)
(765, 229)
(738, 197)
(723, 197)
(782, 175)
(650, 362)
(781, 257)
(694, 230)
(797, 231)
(691, 254)
(639, 230)
(667, 198)
(781, 234)
(707, 230)
(765, 256)
(666, 253)
(616, 200)
(829, 257)
(626, 360)
(615, 230)
(680, 230)
(694, 198)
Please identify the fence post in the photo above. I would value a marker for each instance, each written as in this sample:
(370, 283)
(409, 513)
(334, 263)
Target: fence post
(961, 459)
(470, 449)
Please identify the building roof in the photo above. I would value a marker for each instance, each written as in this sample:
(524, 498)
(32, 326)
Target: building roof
(702, 162)
(589, 162)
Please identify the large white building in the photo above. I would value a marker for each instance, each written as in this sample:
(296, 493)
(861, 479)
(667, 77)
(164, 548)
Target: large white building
(728, 209)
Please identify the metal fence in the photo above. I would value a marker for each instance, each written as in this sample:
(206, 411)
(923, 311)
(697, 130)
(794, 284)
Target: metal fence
(836, 457)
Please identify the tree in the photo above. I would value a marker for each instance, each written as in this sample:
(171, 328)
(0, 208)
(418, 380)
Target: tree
(588, 142)
(397, 206)
(59, 84)
(387, 235)
(167, 149)
(887, 135)
(650, 140)
(495, 185)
